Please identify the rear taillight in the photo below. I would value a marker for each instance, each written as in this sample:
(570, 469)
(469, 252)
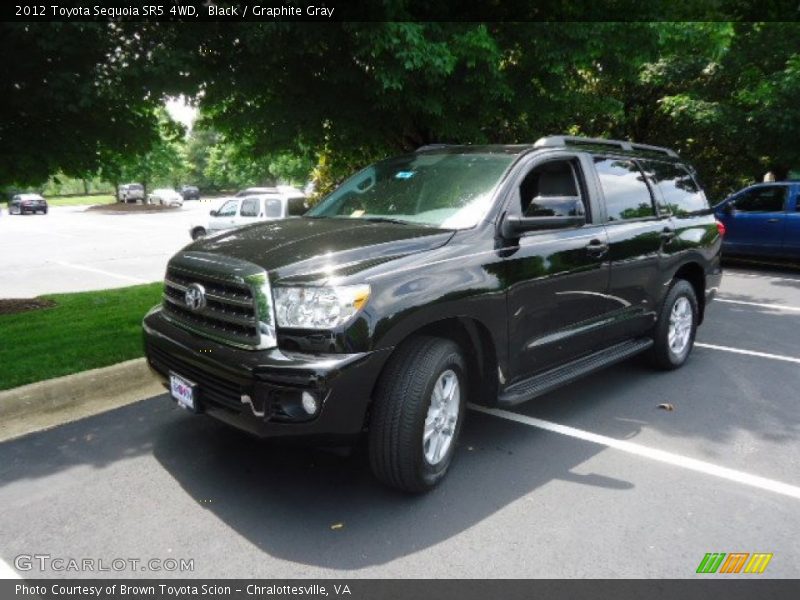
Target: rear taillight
(721, 228)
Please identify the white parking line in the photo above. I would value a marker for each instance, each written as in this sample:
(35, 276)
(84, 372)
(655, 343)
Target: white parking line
(669, 458)
(747, 275)
(759, 304)
(6, 572)
(108, 273)
(791, 359)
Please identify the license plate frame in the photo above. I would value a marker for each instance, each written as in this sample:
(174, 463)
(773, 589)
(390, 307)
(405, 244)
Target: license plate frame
(183, 391)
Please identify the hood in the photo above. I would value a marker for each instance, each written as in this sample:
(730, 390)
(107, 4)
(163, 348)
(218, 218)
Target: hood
(311, 249)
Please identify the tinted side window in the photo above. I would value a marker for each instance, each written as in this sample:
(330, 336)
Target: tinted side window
(249, 207)
(297, 207)
(625, 190)
(551, 190)
(680, 193)
(762, 199)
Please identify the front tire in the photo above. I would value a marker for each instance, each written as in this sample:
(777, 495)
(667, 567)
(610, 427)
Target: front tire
(676, 327)
(417, 413)
(198, 232)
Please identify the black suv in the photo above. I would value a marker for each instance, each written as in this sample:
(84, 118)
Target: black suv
(482, 274)
(189, 192)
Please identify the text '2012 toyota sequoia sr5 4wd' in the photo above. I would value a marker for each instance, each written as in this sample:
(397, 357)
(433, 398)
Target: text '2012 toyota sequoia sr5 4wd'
(481, 274)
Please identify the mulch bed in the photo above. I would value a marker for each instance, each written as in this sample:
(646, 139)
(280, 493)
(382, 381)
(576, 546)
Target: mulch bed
(124, 208)
(12, 306)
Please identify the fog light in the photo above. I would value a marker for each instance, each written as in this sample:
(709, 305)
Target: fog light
(309, 403)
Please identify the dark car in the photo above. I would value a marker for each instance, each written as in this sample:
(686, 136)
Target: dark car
(189, 192)
(22, 204)
(482, 274)
(762, 220)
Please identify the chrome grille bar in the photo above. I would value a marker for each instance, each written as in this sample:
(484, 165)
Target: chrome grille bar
(237, 307)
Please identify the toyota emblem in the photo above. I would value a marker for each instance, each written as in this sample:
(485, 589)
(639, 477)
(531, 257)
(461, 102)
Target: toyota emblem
(195, 297)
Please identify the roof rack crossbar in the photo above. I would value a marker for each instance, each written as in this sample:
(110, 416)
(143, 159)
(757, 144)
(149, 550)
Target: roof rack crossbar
(565, 140)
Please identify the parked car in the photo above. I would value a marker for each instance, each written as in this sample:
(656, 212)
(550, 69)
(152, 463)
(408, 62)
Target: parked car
(762, 220)
(481, 274)
(246, 210)
(165, 197)
(131, 192)
(21, 204)
(189, 192)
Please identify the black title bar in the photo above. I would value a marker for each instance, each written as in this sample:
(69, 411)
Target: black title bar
(401, 10)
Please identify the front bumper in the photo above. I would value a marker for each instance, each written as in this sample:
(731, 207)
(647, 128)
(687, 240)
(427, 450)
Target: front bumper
(246, 388)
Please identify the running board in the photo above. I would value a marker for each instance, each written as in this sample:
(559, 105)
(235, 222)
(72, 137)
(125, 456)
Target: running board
(554, 378)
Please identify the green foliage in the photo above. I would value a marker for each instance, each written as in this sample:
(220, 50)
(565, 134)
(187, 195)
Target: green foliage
(61, 185)
(279, 98)
(69, 92)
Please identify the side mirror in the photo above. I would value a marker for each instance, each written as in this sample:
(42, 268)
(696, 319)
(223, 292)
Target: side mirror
(728, 208)
(213, 213)
(514, 226)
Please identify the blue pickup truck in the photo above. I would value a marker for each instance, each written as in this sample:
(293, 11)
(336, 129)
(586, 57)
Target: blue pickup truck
(762, 220)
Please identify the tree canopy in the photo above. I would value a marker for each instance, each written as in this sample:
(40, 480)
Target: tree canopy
(276, 98)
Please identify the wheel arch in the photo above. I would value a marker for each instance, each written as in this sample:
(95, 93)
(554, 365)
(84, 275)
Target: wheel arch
(477, 345)
(694, 273)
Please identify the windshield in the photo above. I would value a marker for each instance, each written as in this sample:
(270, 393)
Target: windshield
(451, 191)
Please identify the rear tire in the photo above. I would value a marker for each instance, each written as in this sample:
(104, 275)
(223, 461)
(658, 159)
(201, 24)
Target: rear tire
(417, 413)
(676, 327)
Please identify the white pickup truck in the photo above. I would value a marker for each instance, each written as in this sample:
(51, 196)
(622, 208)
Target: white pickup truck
(131, 192)
(250, 206)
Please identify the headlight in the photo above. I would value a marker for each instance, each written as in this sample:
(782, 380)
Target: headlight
(318, 307)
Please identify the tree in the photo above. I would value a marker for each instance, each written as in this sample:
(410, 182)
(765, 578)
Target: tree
(71, 93)
(162, 163)
(278, 98)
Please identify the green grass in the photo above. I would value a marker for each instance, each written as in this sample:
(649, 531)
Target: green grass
(83, 331)
(79, 200)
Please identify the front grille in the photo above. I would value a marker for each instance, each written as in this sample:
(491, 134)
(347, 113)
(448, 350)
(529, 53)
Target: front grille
(229, 314)
(212, 388)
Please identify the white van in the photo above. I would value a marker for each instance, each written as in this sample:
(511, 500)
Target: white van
(239, 211)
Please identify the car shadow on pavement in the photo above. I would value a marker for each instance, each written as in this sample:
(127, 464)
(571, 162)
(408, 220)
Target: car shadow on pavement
(313, 507)
(301, 504)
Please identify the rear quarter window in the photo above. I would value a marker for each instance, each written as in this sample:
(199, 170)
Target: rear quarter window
(679, 193)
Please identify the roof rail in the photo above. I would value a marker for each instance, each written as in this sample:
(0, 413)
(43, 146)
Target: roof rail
(432, 147)
(555, 141)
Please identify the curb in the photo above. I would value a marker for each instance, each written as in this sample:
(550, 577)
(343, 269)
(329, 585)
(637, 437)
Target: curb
(53, 402)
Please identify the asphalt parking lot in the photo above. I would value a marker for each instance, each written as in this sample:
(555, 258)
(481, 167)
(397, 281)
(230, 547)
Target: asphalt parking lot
(593, 480)
(72, 249)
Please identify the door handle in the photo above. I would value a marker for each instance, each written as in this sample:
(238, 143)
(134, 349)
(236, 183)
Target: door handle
(667, 234)
(596, 248)
(772, 220)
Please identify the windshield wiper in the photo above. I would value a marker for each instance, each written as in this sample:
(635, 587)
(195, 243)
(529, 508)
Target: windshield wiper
(388, 220)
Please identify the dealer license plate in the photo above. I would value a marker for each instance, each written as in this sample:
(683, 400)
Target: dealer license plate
(182, 390)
